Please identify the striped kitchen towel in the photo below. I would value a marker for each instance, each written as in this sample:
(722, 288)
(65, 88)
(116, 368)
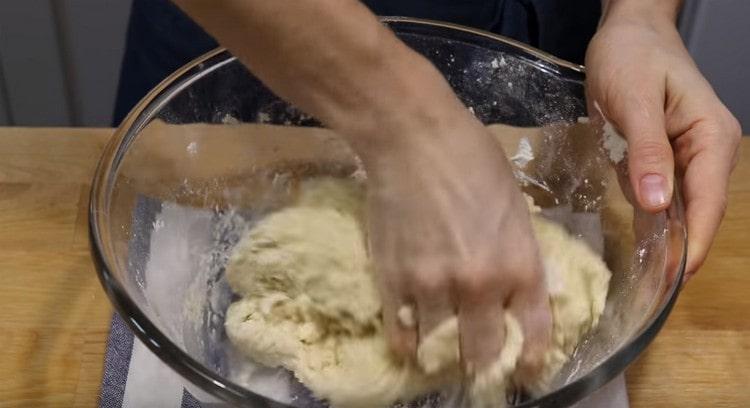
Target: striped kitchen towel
(135, 378)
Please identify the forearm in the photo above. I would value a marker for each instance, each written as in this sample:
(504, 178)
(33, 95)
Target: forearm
(656, 10)
(331, 58)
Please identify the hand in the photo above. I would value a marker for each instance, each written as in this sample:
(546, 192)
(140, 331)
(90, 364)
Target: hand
(646, 84)
(450, 230)
(450, 235)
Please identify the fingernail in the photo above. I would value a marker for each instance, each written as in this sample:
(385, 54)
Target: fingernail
(654, 190)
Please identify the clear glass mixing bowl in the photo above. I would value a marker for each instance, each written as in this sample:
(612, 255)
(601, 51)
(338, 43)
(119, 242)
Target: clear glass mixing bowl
(211, 150)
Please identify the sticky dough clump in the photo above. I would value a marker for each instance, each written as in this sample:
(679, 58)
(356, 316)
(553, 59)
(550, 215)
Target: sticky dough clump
(309, 304)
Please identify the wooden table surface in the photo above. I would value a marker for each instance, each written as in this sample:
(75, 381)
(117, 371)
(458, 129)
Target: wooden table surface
(55, 316)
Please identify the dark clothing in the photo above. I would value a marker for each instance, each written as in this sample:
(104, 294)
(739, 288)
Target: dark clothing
(161, 38)
(561, 27)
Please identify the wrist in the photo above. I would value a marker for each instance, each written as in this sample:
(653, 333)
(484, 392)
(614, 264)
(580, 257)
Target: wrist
(658, 14)
(415, 137)
(408, 104)
(451, 145)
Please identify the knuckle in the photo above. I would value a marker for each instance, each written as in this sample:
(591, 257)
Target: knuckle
(524, 275)
(715, 130)
(476, 283)
(398, 340)
(735, 129)
(532, 361)
(725, 127)
(726, 134)
(652, 152)
(429, 283)
(528, 279)
(643, 102)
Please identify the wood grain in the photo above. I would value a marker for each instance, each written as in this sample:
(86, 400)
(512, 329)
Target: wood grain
(701, 358)
(55, 316)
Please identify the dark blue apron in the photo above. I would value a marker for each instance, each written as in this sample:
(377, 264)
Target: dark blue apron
(161, 38)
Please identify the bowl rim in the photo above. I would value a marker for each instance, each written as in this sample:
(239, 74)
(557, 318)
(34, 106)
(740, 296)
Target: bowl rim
(216, 385)
(392, 21)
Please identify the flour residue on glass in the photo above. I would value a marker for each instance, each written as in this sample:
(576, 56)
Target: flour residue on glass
(612, 140)
(505, 88)
(192, 148)
(524, 154)
(614, 143)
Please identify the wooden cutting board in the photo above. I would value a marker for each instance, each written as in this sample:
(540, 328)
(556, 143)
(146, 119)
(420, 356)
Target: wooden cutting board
(55, 316)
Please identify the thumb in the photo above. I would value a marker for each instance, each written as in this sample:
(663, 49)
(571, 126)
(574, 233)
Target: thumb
(650, 156)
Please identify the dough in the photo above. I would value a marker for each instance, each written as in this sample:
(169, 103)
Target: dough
(309, 303)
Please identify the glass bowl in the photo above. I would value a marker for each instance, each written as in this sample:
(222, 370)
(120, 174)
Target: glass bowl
(211, 150)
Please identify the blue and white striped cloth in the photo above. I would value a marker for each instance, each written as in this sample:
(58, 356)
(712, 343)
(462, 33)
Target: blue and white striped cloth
(135, 378)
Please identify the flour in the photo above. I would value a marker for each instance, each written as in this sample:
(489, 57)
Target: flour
(192, 148)
(612, 141)
(497, 63)
(228, 119)
(615, 144)
(263, 117)
(524, 154)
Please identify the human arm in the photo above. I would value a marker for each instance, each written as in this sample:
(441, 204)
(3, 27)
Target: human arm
(449, 229)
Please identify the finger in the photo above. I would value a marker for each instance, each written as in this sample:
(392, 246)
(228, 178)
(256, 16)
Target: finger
(707, 151)
(675, 239)
(481, 329)
(439, 328)
(650, 157)
(705, 190)
(532, 309)
(401, 337)
(434, 306)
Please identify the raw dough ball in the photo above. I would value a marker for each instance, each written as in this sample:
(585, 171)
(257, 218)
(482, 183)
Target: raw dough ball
(309, 304)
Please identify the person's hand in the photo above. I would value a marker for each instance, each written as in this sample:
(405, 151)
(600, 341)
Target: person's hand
(451, 236)
(648, 86)
(449, 229)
